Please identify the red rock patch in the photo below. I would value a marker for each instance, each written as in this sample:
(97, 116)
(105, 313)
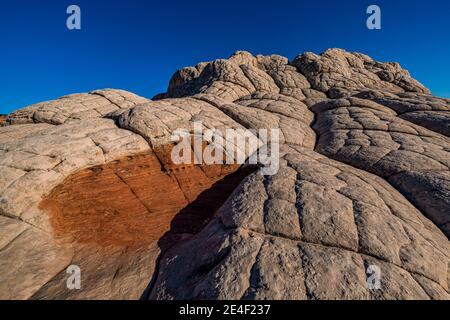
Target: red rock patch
(133, 201)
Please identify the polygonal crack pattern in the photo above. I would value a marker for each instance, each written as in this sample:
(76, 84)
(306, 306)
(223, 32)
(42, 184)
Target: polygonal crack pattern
(363, 181)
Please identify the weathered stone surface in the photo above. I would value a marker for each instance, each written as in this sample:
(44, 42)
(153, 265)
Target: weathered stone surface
(438, 121)
(156, 121)
(363, 183)
(424, 110)
(115, 219)
(336, 68)
(270, 111)
(372, 137)
(124, 197)
(107, 219)
(11, 133)
(335, 221)
(239, 76)
(429, 191)
(95, 104)
(28, 258)
(35, 159)
(41, 159)
(2, 118)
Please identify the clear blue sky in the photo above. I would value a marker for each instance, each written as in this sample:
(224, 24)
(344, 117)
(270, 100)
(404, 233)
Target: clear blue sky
(138, 44)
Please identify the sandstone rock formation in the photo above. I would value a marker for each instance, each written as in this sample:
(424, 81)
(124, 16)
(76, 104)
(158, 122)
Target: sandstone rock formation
(95, 104)
(363, 182)
(2, 119)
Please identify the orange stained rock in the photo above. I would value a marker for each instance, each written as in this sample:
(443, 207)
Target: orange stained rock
(134, 200)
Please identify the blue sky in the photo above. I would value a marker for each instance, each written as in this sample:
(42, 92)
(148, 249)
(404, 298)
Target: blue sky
(137, 45)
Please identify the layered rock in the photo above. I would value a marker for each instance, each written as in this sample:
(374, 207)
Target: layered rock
(309, 232)
(363, 183)
(337, 70)
(83, 106)
(35, 158)
(117, 224)
(369, 136)
(106, 219)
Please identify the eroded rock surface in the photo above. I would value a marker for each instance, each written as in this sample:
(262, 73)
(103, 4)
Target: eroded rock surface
(83, 106)
(336, 69)
(117, 224)
(309, 232)
(363, 184)
(372, 137)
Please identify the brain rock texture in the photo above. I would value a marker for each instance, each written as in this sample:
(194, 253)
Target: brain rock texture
(363, 183)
